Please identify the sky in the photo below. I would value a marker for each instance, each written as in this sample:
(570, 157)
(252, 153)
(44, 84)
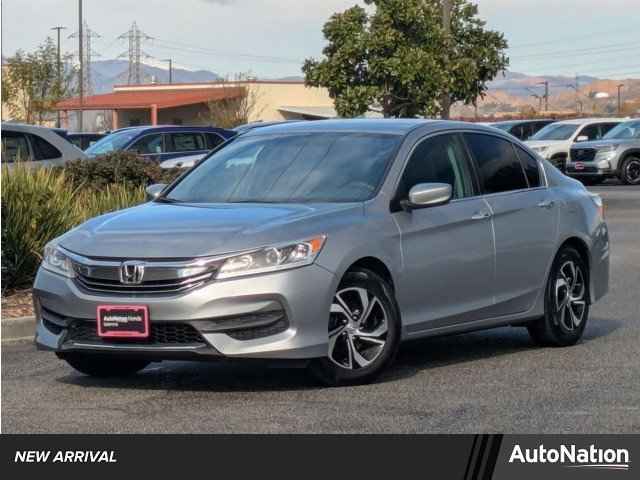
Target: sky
(271, 38)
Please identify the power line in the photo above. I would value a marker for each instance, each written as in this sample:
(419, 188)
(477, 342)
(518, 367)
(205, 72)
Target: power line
(578, 37)
(135, 37)
(86, 52)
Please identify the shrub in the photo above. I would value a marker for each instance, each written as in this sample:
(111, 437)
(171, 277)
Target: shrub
(118, 167)
(37, 205)
(91, 203)
(41, 204)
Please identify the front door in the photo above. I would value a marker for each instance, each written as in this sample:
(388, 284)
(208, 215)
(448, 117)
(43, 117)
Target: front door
(448, 268)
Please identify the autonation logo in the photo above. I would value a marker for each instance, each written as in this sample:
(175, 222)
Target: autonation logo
(573, 457)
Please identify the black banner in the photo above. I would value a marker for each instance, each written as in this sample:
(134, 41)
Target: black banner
(465, 457)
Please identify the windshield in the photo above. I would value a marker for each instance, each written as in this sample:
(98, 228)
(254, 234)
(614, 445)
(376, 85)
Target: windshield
(556, 131)
(113, 142)
(319, 167)
(624, 130)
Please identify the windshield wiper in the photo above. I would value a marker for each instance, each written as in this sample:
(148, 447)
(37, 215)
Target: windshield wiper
(167, 200)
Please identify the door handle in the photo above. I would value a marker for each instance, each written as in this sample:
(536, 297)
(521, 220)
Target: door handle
(546, 204)
(481, 215)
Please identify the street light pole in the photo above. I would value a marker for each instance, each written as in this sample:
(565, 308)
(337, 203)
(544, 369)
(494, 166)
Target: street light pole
(170, 68)
(447, 6)
(620, 99)
(58, 28)
(81, 72)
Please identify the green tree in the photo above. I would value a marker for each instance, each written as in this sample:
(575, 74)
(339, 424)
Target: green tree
(400, 60)
(31, 86)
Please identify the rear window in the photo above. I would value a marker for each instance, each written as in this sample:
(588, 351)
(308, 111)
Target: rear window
(14, 147)
(531, 167)
(187, 142)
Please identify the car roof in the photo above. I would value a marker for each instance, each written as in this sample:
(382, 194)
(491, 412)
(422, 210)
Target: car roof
(582, 121)
(517, 122)
(23, 127)
(176, 128)
(399, 126)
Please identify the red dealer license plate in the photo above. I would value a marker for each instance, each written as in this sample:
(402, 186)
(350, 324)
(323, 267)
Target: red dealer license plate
(123, 321)
(579, 166)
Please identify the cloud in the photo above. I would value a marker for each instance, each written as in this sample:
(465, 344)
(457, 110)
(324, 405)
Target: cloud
(221, 2)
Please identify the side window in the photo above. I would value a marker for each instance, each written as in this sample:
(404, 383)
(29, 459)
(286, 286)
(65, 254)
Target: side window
(149, 144)
(14, 147)
(605, 127)
(187, 142)
(440, 159)
(498, 165)
(43, 150)
(213, 140)
(531, 167)
(592, 132)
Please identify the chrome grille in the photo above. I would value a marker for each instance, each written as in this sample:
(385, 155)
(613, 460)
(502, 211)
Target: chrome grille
(159, 276)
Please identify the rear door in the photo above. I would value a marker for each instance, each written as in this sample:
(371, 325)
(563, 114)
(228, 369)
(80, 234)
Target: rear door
(182, 144)
(448, 250)
(524, 219)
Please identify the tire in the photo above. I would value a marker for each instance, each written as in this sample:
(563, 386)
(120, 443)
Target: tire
(630, 171)
(564, 321)
(104, 366)
(364, 335)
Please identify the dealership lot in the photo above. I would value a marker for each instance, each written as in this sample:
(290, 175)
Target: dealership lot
(487, 381)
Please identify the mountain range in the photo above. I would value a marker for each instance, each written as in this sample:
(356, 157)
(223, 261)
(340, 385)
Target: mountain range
(509, 92)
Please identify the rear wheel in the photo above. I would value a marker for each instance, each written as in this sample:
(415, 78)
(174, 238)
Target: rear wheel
(364, 330)
(97, 365)
(566, 302)
(630, 171)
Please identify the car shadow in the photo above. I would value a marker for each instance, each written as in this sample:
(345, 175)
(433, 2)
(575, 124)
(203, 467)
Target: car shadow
(254, 376)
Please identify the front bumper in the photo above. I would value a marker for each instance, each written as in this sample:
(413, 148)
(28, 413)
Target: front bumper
(281, 315)
(588, 170)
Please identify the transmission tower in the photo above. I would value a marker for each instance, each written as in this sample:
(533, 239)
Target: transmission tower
(87, 55)
(135, 36)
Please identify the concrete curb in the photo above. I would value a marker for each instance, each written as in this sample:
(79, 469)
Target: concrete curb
(18, 328)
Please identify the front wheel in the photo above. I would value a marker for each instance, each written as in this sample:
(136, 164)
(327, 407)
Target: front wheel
(363, 332)
(630, 171)
(566, 302)
(96, 365)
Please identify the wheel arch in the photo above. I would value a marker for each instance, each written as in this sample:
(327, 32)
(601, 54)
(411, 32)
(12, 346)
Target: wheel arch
(375, 265)
(582, 248)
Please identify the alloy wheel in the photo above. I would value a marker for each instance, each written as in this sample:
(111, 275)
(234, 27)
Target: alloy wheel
(570, 293)
(632, 171)
(358, 327)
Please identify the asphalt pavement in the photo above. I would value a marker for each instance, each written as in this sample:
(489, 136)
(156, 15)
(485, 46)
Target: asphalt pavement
(494, 381)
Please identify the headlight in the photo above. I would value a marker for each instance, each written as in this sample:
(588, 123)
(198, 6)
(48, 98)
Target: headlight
(605, 153)
(270, 259)
(56, 261)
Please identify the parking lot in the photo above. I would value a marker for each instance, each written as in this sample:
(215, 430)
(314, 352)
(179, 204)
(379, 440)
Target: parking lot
(494, 381)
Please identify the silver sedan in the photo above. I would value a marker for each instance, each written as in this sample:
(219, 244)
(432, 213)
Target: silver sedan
(329, 243)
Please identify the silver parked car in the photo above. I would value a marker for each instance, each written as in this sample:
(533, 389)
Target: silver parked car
(329, 242)
(616, 155)
(39, 146)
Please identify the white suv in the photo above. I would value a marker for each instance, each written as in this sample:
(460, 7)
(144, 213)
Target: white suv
(554, 141)
(40, 145)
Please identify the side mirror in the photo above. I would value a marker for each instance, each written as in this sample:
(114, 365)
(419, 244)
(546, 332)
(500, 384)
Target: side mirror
(582, 138)
(425, 195)
(154, 190)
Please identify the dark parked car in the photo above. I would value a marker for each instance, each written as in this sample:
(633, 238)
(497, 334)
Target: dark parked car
(84, 140)
(522, 129)
(161, 143)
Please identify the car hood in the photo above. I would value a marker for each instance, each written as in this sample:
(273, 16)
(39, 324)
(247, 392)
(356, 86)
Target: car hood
(157, 230)
(544, 143)
(605, 143)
